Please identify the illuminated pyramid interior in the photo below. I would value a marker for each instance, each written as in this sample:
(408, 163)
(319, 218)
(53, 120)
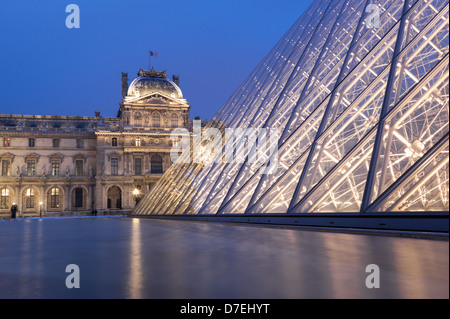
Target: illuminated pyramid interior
(359, 93)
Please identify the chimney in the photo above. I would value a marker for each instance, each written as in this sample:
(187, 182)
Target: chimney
(176, 79)
(97, 113)
(124, 84)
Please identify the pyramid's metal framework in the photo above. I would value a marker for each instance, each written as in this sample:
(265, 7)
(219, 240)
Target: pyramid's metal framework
(360, 96)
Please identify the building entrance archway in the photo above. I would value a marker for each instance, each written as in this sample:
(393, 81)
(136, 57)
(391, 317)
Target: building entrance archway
(114, 198)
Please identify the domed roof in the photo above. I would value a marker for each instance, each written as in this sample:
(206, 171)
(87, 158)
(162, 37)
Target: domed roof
(153, 81)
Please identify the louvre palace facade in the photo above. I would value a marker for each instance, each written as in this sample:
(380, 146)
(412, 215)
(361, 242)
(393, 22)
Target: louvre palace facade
(71, 165)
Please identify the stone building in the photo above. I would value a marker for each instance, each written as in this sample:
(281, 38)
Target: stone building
(60, 165)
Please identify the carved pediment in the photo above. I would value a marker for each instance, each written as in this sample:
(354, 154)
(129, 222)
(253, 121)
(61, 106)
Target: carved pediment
(32, 156)
(157, 98)
(114, 154)
(7, 156)
(56, 157)
(80, 156)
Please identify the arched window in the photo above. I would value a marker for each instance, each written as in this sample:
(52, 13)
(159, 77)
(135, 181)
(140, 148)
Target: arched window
(78, 200)
(4, 199)
(29, 198)
(138, 119)
(174, 120)
(156, 164)
(156, 119)
(54, 198)
(114, 141)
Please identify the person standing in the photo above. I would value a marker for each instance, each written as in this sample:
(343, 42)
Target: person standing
(13, 211)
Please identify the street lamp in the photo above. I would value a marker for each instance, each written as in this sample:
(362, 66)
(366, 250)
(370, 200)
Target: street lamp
(137, 195)
(40, 208)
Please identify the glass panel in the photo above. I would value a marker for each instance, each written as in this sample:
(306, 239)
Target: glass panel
(426, 189)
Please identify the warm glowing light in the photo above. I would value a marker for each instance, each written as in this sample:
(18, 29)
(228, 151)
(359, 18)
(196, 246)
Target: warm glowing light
(136, 192)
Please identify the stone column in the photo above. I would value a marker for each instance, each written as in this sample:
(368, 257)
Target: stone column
(43, 199)
(16, 199)
(130, 164)
(67, 196)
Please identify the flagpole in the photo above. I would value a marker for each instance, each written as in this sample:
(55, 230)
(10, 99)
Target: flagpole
(150, 54)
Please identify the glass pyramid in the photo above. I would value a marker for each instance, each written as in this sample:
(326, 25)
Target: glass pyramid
(358, 92)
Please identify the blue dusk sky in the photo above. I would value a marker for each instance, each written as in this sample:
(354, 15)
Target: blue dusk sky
(48, 69)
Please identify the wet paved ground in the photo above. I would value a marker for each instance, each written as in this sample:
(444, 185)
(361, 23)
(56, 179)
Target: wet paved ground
(142, 258)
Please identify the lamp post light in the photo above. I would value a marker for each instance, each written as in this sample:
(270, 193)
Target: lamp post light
(28, 194)
(137, 195)
(40, 208)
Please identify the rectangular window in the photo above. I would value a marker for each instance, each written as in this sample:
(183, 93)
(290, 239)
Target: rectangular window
(5, 168)
(156, 119)
(138, 141)
(80, 143)
(174, 120)
(55, 167)
(31, 142)
(138, 166)
(79, 168)
(156, 163)
(114, 166)
(31, 167)
(6, 142)
(56, 142)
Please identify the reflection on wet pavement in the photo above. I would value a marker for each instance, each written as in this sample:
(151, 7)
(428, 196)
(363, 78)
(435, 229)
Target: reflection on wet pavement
(142, 258)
